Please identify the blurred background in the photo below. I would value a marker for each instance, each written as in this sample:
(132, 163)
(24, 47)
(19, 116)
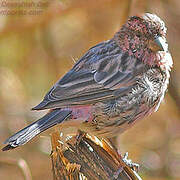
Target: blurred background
(40, 41)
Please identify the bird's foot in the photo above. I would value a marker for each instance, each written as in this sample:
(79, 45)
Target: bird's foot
(79, 137)
(128, 162)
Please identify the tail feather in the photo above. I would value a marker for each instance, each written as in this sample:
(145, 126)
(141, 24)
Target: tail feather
(23, 136)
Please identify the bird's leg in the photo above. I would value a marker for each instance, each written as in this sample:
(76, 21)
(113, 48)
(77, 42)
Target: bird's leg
(80, 135)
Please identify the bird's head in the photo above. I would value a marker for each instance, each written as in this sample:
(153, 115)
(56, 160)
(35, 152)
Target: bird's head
(144, 37)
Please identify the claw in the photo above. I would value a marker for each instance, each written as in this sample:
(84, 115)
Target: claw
(79, 137)
(133, 166)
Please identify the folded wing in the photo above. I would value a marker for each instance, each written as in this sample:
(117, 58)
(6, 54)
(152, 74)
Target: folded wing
(103, 73)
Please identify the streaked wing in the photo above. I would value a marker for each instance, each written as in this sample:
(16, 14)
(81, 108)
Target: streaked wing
(103, 73)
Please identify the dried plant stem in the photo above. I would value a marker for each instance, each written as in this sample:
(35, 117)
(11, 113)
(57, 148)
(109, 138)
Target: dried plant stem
(88, 159)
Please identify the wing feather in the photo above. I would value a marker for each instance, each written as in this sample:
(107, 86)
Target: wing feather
(97, 76)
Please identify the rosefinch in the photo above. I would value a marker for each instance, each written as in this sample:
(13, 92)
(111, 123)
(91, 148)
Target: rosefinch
(116, 83)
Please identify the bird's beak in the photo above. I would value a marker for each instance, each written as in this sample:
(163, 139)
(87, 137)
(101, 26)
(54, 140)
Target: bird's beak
(158, 44)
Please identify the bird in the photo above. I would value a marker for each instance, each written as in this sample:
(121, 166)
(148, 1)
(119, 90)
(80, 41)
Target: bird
(112, 86)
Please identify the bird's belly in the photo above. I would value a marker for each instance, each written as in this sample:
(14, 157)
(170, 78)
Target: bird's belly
(114, 119)
(117, 125)
(108, 119)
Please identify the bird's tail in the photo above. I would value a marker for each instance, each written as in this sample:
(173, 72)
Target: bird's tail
(22, 137)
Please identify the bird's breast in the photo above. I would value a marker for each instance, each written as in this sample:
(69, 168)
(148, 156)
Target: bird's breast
(115, 116)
